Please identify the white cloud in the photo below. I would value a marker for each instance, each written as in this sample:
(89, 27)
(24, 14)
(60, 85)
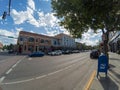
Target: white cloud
(90, 38)
(31, 4)
(22, 16)
(44, 20)
(18, 30)
(4, 39)
(18, 17)
(49, 22)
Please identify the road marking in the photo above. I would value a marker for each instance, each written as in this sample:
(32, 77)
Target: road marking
(14, 66)
(1, 79)
(39, 77)
(87, 86)
(20, 81)
(29, 58)
(43, 76)
(55, 72)
(9, 71)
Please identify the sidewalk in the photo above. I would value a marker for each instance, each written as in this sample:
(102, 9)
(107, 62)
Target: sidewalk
(112, 81)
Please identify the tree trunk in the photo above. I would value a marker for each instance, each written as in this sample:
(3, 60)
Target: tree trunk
(106, 45)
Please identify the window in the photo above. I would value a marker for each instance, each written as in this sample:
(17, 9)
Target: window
(21, 38)
(31, 39)
(55, 42)
(37, 40)
(46, 41)
(42, 40)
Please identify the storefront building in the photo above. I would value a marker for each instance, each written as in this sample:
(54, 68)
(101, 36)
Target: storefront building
(114, 43)
(32, 42)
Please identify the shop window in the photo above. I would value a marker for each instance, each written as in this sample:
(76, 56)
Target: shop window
(42, 40)
(31, 39)
(55, 42)
(46, 41)
(21, 38)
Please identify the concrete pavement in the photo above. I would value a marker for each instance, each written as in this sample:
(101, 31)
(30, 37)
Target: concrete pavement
(112, 81)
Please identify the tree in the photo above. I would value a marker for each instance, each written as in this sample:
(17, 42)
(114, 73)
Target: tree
(77, 16)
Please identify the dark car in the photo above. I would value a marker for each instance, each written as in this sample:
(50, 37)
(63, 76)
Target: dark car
(11, 51)
(94, 54)
(36, 54)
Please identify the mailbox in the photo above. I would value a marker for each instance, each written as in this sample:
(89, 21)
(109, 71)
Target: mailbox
(102, 64)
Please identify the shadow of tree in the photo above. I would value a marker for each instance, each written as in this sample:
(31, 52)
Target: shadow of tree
(115, 73)
(114, 59)
(107, 83)
(112, 66)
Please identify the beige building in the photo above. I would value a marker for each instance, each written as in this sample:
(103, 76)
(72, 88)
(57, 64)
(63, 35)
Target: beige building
(32, 42)
(1, 45)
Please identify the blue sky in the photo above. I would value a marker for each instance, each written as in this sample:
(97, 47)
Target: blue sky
(34, 16)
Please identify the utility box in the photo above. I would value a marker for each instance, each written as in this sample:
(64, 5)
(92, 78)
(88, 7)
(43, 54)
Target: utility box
(102, 64)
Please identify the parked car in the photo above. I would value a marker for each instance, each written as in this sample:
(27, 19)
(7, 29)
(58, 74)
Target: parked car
(11, 51)
(36, 54)
(67, 52)
(58, 52)
(94, 54)
(53, 53)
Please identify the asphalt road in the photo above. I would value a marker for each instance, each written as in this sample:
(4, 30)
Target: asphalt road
(65, 72)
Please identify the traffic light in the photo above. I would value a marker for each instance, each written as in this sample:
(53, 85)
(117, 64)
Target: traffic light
(4, 15)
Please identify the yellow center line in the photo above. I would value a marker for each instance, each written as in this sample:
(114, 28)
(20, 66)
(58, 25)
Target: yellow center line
(88, 84)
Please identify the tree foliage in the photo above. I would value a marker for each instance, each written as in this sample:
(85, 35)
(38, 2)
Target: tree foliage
(77, 16)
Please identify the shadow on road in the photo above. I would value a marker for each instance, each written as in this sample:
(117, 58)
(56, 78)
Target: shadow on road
(115, 73)
(107, 83)
(114, 59)
(0, 88)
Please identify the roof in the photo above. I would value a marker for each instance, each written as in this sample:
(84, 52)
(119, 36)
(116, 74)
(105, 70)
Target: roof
(35, 34)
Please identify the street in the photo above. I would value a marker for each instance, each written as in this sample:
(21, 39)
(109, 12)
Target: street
(65, 72)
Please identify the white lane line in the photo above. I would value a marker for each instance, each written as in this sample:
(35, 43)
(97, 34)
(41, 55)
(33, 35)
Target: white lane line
(20, 81)
(29, 58)
(9, 71)
(40, 77)
(1, 79)
(14, 65)
(43, 76)
(55, 72)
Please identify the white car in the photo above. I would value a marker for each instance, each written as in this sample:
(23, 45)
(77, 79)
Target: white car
(53, 53)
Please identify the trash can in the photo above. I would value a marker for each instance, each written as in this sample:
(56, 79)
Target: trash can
(102, 64)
